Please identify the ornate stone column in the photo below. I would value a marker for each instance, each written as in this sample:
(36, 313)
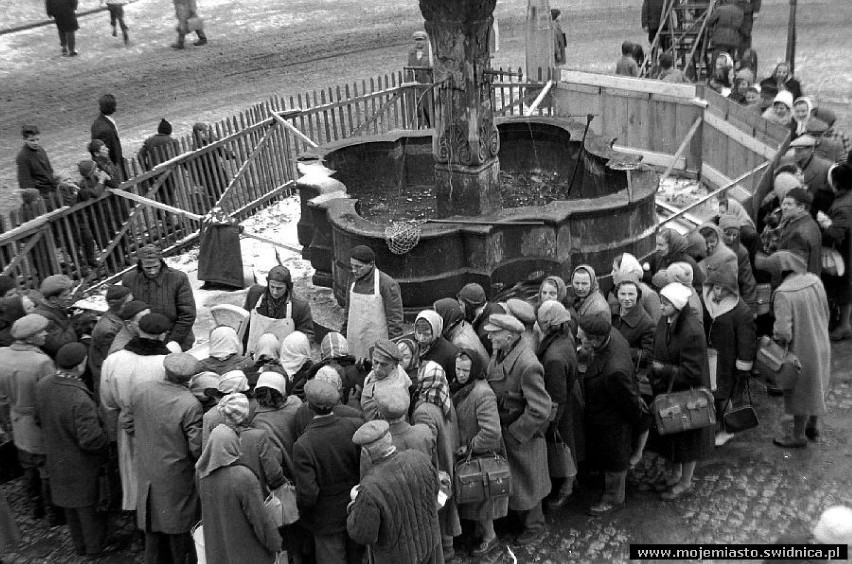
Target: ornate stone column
(466, 142)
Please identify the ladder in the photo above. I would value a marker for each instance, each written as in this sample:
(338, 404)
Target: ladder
(683, 26)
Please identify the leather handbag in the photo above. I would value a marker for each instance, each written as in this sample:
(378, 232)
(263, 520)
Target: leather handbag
(777, 363)
(560, 460)
(832, 262)
(676, 412)
(481, 478)
(742, 418)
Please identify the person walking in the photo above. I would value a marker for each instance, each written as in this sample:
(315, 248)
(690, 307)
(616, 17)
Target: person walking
(186, 12)
(64, 15)
(165, 420)
(75, 446)
(237, 527)
(374, 305)
(517, 378)
(394, 510)
(116, 18)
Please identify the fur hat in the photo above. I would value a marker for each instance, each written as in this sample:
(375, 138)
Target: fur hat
(784, 97)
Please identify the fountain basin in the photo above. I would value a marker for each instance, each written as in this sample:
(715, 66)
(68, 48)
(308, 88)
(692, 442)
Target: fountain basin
(609, 210)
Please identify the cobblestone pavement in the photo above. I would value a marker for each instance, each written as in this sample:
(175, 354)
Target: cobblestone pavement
(748, 491)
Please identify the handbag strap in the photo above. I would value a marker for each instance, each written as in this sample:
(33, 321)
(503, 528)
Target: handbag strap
(733, 391)
(671, 382)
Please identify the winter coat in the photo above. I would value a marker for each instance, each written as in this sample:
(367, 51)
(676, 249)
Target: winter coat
(650, 302)
(237, 527)
(75, 440)
(391, 297)
(445, 431)
(157, 149)
(406, 436)
(800, 307)
(63, 13)
(262, 457)
(22, 366)
(682, 350)
(638, 330)
(558, 356)
(443, 353)
(396, 511)
(170, 294)
(652, 14)
(325, 467)
(104, 129)
(745, 276)
(304, 416)
(731, 332)
(301, 311)
(815, 173)
(35, 171)
(278, 422)
(613, 405)
(726, 22)
(103, 335)
(166, 419)
(801, 235)
(839, 236)
(60, 330)
(479, 430)
(524, 405)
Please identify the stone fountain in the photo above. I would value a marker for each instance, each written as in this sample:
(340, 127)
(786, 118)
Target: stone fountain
(528, 196)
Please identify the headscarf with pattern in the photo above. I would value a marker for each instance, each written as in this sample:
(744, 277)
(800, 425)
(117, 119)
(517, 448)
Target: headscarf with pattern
(432, 387)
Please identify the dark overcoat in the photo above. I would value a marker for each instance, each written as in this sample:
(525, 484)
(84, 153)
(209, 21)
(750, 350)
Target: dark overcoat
(63, 13)
(839, 236)
(170, 294)
(558, 356)
(104, 129)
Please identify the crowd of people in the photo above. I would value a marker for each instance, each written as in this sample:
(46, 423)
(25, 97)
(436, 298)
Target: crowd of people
(369, 433)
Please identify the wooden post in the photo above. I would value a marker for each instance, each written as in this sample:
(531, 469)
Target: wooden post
(791, 36)
(684, 144)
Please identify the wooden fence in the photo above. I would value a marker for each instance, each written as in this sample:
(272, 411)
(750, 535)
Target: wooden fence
(248, 160)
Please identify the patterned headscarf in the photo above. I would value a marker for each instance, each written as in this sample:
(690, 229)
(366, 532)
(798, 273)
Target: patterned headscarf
(432, 387)
(333, 345)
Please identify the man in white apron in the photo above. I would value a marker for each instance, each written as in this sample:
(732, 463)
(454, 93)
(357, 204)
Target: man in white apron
(274, 309)
(374, 309)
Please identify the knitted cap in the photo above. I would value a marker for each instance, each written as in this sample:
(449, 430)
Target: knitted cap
(472, 294)
(71, 354)
(164, 128)
(154, 323)
(677, 294)
(364, 254)
(234, 407)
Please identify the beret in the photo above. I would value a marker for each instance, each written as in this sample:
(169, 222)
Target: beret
(321, 393)
(472, 294)
(56, 284)
(363, 253)
(280, 273)
(182, 364)
(387, 349)
(392, 401)
(71, 354)
(149, 252)
(728, 221)
(233, 381)
(501, 321)
(131, 308)
(116, 292)
(371, 432)
(803, 141)
(273, 381)
(154, 323)
(86, 167)
(800, 195)
(677, 294)
(235, 408)
(595, 325)
(203, 381)
(28, 325)
(524, 311)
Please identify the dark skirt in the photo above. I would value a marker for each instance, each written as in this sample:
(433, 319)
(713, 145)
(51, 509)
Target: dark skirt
(220, 260)
(608, 447)
(688, 446)
(839, 288)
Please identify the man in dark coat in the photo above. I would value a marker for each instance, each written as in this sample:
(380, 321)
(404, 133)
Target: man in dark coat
(63, 12)
(815, 173)
(524, 406)
(165, 419)
(34, 168)
(325, 467)
(476, 310)
(613, 407)
(725, 25)
(158, 149)
(56, 290)
(166, 290)
(275, 300)
(107, 327)
(799, 233)
(750, 9)
(652, 16)
(104, 128)
(76, 447)
(395, 507)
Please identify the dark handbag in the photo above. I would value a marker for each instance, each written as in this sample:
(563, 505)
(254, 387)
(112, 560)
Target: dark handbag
(742, 418)
(676, 412)
(642, 380)
(481, 478)
(560, 460)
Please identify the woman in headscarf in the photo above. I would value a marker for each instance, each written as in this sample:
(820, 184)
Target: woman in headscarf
(680, 362)
(781, 80)
(801, 313)
(334, 352)
(552, 288)
(557, 353)
(226, 352)
(671, 248)
(588, 299)
(682, 273)
(433, 407)
(479, 434)
(295, 359)
(275, 410)
(428, 332)
(748, 230)
(625, 267)
(409, 359)
(723, 74)
(265, 357)
(781, 111)
(237, 527)
(804, 122)
(458, 331)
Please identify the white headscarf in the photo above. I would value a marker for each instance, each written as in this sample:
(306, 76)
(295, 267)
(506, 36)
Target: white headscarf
(224, 342)
(295, 352)
(267, 347)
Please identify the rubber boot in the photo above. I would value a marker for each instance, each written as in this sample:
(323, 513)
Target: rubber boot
(202, 39)
(72, 43)
(179, 44)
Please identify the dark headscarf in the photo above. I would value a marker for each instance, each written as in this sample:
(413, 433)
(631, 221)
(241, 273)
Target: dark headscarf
(677, 242)
(451, 312)
(477, 372)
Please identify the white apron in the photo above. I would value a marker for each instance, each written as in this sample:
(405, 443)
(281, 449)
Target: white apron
(261, 324)
(367, 321)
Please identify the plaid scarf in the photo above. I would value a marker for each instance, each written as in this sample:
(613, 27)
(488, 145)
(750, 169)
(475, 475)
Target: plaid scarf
(432, 387)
